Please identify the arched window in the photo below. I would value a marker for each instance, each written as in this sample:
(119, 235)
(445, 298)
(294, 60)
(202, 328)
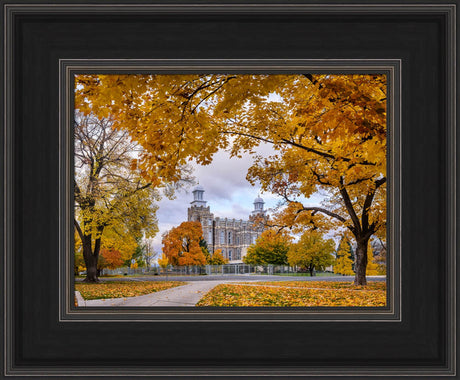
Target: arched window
(229, 254)
(230, 237)
(210, 237)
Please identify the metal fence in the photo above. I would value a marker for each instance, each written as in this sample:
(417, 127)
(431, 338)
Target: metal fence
(128, 271)
(225, 269)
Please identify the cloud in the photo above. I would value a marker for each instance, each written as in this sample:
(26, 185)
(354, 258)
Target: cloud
(224, 176)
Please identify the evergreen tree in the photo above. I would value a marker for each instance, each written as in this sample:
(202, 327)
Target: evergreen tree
(344, 263)
(204, 248)
(372, 267)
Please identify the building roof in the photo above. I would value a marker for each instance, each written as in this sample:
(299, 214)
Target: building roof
(259, 200)
(199, 188)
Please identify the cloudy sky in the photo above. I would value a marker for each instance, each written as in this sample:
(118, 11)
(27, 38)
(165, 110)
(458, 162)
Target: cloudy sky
(227, 192)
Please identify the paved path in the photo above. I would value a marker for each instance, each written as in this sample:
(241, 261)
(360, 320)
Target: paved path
(185, 295)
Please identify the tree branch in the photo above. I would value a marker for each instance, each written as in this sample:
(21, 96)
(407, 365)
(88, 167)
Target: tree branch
(349, 207)
(319, 178)
(97, 243)
(311, 150)
(226, 80)
(368, 202)
(247, 135)
(77, 226)
(359, 180)
(324, 211)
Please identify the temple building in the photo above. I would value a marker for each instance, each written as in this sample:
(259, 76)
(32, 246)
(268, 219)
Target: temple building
(232, 236)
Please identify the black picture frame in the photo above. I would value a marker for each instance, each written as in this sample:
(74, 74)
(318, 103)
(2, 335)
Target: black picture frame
(44, 41)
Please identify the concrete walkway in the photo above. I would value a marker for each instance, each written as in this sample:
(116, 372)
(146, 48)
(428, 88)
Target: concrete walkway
(185, 295)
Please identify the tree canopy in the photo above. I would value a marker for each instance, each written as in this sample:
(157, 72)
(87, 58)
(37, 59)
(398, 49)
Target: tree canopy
(217, 258)
(110, 258)
(312, 252)
(271, 247)
(181, 244)
(328, 132)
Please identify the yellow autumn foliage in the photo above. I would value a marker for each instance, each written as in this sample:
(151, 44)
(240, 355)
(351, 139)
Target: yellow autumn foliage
(328, 132)
(343, 263)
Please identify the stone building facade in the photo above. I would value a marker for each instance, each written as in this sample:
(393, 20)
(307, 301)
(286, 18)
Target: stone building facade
(232, 236)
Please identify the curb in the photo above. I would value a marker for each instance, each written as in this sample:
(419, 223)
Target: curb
(80, 300)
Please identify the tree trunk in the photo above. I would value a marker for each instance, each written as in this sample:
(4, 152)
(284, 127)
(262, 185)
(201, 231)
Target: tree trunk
(311, 268)
(91, 268)
(361, 262)
(90, 260)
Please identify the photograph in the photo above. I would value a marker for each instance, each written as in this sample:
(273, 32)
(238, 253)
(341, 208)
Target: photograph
(230, 190)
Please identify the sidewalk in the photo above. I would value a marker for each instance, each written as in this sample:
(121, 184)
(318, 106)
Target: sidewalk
(185, 295)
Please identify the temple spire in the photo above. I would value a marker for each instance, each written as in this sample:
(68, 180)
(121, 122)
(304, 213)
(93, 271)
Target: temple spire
(258, 206)
(198, 198)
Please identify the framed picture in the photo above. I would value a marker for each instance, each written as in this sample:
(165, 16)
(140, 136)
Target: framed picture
(73, 71)
(241, 278)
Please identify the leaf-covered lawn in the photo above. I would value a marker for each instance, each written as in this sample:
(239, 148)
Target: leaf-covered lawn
(123, 288)
(371, 285)
(294, 293)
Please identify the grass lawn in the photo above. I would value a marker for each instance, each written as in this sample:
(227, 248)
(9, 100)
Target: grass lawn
(296, 293)
(122, 289)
